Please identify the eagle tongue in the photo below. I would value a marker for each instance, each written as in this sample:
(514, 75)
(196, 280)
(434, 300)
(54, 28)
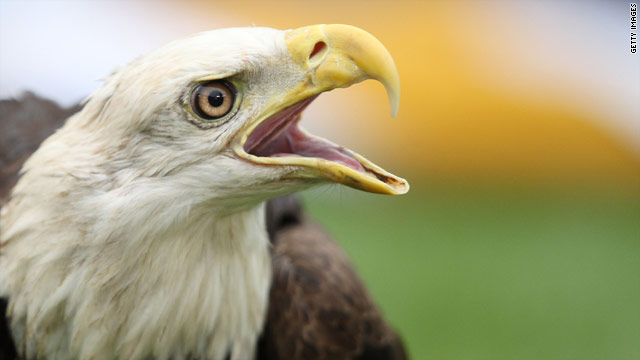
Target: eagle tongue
(302, 144)
(292, 141)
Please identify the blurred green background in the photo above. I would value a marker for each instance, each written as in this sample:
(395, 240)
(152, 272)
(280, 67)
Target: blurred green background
(487, 272)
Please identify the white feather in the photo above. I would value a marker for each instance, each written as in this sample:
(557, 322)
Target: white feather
(134, 233)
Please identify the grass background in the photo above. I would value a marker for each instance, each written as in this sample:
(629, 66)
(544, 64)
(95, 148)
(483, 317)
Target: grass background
(497, 272)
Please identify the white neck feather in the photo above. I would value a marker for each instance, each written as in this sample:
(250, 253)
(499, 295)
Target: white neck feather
(198, 288)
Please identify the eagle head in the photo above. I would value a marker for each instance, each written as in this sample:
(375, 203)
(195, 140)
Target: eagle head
(216, 115)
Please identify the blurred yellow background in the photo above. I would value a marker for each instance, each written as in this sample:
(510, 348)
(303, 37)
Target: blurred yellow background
(519, 130)
(481, 96)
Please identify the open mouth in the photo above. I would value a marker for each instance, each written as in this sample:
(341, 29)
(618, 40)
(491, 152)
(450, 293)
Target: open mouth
(279, 140)
(280, 136)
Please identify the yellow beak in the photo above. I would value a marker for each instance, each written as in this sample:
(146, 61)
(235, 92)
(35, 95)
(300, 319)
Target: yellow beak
(345, 55)
(329, 57)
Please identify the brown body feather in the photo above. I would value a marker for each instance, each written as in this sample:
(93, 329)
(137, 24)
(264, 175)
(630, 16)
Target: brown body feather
(24, 124)
(319, 308)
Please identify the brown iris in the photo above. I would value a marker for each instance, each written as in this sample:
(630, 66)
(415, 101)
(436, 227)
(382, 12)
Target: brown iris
(212, 100)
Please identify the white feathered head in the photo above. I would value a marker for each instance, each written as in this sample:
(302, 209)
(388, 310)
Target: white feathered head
(216, 114)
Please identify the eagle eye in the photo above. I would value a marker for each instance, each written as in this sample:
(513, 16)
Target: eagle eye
(213, 99)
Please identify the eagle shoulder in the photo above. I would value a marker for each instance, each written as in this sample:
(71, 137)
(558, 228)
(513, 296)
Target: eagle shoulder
(318, 306)
(25, 123)
(7, 348)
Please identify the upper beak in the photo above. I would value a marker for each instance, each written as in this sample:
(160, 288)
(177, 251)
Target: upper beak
(335, 56)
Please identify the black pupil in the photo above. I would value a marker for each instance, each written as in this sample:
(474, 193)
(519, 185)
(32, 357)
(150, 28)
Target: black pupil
(216, 98)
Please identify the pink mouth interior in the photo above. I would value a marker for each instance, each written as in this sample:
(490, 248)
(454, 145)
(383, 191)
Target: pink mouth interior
(279, 135)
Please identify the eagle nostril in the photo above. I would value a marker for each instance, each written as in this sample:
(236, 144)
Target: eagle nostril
(317, 48)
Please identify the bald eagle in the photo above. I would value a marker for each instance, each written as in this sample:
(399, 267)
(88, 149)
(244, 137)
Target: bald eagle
(143, 228)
